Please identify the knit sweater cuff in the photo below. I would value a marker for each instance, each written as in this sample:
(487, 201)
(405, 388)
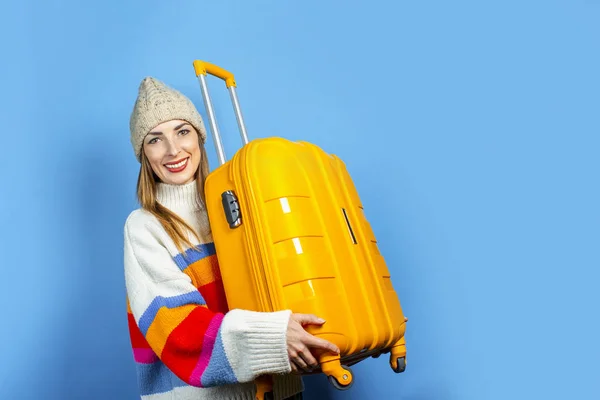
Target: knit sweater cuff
(256, 342)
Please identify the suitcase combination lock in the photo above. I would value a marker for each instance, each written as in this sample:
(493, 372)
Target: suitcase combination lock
(232, 209)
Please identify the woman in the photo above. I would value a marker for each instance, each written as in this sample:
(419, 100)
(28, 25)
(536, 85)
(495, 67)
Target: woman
(186, 343)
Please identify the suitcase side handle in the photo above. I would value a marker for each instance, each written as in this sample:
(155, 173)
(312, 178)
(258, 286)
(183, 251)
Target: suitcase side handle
(202, 68)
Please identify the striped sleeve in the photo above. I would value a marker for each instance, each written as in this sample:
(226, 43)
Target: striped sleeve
(202, 347)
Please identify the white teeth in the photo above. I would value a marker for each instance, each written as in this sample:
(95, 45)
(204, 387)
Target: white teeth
(179, 164)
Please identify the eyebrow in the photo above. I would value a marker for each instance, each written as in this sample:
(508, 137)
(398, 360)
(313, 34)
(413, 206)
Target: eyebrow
(158, 133)
(180, 126)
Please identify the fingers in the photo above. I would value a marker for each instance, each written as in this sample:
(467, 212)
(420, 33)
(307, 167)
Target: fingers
(301, 343)
(313, 341)
(301, 364)
(310, 361)
(308, 319)
(300, 358)
(294, 367)
(303, 361)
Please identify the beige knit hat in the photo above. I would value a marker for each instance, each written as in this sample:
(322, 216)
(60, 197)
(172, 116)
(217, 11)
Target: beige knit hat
(157, 103)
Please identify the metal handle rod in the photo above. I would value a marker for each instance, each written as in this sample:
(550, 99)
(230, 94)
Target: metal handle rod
(238, 114)
(213, 120)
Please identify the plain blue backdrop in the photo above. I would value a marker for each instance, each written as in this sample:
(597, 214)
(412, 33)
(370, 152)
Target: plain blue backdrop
(471, 129)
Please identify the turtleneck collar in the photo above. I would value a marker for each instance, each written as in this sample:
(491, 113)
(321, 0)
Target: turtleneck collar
(179, 197)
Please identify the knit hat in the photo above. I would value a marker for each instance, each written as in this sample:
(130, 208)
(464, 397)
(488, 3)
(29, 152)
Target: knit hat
(157, 103)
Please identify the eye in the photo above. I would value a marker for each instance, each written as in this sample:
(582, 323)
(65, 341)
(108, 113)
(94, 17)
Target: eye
(184, 132)
(152, 141)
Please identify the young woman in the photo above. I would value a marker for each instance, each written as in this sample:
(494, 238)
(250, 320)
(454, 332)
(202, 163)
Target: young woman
(186, 343)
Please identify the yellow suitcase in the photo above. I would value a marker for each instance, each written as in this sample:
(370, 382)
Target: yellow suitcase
(290, 232)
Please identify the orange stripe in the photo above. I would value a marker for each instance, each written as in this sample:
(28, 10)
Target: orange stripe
(166, 320)
(204, 271)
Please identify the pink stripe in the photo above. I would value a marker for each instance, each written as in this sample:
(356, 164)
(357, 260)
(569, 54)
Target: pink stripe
(144, 356)
(207, 348)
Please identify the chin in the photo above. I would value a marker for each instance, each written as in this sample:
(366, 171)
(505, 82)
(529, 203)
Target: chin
(178, 180)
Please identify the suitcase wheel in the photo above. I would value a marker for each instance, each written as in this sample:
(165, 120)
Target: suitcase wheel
(347, 375)
(400, 365)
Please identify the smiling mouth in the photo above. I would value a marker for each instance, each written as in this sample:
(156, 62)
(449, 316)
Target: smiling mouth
(177, 166)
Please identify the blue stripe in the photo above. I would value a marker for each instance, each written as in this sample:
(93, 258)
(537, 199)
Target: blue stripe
(195, 254)
(219, 371)
(170, 302)
(157, 378)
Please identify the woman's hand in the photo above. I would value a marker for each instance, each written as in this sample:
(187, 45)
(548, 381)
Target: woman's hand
(300, 342)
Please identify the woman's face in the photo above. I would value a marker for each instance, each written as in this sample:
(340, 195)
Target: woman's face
(173, 150)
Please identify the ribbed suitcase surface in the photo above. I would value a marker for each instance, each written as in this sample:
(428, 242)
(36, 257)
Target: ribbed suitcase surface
(291, 233)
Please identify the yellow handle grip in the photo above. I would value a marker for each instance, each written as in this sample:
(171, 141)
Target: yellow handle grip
(203, 67)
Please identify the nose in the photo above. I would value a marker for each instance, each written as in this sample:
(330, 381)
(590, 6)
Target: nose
(172, 148)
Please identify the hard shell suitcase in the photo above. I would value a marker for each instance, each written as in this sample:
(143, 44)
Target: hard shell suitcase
(290, 232)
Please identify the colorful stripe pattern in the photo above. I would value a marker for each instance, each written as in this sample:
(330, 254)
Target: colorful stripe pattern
(177, 341)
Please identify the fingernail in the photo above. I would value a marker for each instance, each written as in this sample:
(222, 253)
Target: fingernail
(321, 320)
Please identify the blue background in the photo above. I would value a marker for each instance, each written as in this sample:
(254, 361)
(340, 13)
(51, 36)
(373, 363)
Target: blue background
(471, 129)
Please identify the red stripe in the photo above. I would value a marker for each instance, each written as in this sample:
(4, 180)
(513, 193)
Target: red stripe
(214, 295)
(184, 345)
(138, 340)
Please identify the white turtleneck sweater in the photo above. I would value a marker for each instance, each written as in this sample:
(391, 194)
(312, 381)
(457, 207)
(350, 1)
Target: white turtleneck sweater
(187, 345)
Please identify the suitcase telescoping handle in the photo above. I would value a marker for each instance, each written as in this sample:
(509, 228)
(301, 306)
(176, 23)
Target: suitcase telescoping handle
(203, 68)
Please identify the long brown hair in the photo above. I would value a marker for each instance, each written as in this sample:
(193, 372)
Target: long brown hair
(175, 226)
